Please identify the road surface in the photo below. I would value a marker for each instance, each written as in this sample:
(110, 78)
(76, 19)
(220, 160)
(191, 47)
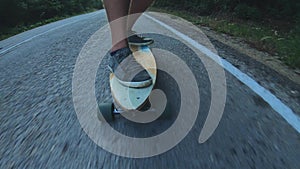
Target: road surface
(39, 127)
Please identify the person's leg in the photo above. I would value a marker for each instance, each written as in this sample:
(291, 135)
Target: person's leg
(118, 9)
(137, 7)
(127, 70)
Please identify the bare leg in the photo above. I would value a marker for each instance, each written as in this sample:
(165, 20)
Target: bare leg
(118, 9)
(137, 7)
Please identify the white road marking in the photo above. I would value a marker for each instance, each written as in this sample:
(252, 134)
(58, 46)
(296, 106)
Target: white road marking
(271, 99)
(50, 30)
(266, 95)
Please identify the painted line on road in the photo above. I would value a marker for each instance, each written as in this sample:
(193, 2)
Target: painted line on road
(266, 95)
(50, 30)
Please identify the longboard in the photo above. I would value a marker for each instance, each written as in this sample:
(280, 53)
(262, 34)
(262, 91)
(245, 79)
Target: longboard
(127, 98)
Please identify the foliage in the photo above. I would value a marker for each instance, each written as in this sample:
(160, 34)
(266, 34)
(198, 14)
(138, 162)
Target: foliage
(19, 12)
(284, 44)
(245, 9)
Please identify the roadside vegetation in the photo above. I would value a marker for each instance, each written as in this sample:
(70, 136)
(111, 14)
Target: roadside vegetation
(272, 25)
(17, 16)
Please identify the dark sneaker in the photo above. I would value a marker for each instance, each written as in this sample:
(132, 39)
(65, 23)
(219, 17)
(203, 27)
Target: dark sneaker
(137, 40)
(127, 70)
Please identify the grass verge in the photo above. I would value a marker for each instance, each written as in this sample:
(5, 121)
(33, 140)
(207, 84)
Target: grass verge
(280, 42)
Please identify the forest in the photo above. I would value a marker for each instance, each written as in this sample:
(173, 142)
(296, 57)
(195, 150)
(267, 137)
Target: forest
(24, 12)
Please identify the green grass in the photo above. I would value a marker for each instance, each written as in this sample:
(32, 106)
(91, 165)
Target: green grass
(276, 41)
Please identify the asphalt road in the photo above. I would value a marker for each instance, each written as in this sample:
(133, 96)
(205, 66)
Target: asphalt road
(39, 127)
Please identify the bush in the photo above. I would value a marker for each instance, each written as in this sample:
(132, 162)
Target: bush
(18, 12)
(244, 11)
(285, 10)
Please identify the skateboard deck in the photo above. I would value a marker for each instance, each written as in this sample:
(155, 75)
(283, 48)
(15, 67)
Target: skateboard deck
(127, 98)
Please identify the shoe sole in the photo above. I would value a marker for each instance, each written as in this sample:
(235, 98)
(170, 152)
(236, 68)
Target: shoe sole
(141, 84)
(140, 44)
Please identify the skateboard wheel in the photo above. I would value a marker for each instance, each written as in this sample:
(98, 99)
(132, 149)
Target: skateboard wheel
(107, 111)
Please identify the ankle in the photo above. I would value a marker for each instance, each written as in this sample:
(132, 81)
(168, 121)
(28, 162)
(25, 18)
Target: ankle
(119, 46)
(112, 53)
(130, 32)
